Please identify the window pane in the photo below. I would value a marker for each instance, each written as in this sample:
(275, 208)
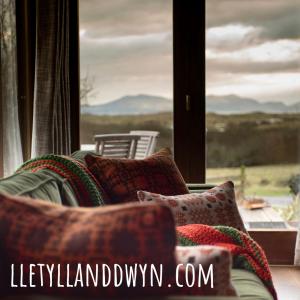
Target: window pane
(253, 105)
(126, 68)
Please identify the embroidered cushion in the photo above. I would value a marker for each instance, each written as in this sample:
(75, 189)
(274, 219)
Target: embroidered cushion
(215, 263)
(34, 231)
(216, 206)
(120, 179)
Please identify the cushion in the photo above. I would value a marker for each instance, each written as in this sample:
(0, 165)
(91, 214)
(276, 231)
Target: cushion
(216, 206)
(35, 185)
(34, 231)
(122, 178)
(72, 171)
(214, 258)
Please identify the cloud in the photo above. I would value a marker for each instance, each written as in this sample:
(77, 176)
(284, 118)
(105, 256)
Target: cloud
(282, 87)
(126, 45)
(279, 19)
(110, 18)
(231, 37)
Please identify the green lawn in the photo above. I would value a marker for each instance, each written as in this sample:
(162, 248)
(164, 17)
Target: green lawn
(260, 181)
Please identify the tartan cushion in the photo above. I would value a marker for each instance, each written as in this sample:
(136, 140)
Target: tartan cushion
(205, 256)
(120, 179)
(34, 231)
(216, 206)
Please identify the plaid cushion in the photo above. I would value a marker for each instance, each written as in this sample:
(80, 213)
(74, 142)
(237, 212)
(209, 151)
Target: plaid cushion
(120, 179)
(216, 206)
(34, 231)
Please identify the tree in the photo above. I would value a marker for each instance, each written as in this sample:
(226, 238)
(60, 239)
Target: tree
(86, 87)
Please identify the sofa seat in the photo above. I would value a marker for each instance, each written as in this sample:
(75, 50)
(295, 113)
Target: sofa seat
(249, 286)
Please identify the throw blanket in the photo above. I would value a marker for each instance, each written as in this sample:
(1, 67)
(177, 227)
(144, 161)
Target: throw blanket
(246, 253)
(82, 181)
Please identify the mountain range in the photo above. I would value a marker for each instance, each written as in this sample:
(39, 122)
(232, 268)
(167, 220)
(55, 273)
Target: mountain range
(149, 104)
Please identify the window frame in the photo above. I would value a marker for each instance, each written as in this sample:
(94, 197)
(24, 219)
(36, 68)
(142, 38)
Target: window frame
(189, 89)
(190, 125)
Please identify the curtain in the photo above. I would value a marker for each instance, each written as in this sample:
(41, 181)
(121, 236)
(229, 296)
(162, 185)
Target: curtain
(11, 149)
(297, 252)
(51, 113)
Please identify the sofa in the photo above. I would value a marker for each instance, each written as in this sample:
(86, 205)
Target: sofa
(63, 180)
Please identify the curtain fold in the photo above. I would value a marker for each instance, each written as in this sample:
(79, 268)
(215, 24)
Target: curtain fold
(11, 150)
(52, 113)
(297, 250)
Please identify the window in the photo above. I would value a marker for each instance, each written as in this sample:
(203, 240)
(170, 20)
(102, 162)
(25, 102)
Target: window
(253, 105)
(126, 66)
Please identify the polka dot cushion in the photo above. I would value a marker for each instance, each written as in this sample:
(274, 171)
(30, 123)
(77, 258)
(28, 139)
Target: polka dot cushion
(213, 261)
(216, 206)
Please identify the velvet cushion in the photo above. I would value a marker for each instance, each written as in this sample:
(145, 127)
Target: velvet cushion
(120, 179)
(34, 231)
(216, 206)
(42, 184)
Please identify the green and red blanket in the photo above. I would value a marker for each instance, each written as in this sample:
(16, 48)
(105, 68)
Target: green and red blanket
(246, 253)
(84, 184)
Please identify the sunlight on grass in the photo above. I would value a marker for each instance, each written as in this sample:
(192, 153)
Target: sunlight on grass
(260, 181)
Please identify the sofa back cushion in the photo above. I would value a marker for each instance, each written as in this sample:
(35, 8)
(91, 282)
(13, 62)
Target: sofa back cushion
(37, 232)
(39, 185)
(216, 206)
(122, 178)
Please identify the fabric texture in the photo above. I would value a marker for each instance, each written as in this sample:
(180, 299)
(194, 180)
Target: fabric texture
(43, 184)
(34, 231)
(216, 206)
(248, 286)
(81, 154)
(33, 185)
(122, 178)
(218, 258)
(82, 181)
(297, 249)
(10, 141)
(246, 253)
(51, 113)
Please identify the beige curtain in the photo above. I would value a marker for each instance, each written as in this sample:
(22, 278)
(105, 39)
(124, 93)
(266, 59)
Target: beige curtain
(11, 150)
(52, 114)
(297, 251)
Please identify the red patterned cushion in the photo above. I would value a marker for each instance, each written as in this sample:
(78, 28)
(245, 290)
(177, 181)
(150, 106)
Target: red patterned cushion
(122, 178)
(216, 206)
(33, 231)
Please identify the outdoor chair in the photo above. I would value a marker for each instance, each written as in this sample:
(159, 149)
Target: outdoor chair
(146, 144)
(116, 145)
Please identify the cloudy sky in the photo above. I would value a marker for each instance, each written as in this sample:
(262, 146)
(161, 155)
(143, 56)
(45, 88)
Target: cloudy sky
(252, 48)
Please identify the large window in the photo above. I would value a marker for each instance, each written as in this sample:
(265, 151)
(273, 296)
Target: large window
(253, 105)
(126, 68)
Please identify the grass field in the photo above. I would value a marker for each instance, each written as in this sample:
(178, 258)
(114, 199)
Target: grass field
(268, 144)
(260, 181)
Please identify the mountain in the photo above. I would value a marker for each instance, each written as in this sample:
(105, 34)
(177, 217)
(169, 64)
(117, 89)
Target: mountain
(131, 105)
(233, 104)
(149, 104)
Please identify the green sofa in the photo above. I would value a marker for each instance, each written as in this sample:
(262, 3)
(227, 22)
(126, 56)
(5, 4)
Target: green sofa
(46, 184)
